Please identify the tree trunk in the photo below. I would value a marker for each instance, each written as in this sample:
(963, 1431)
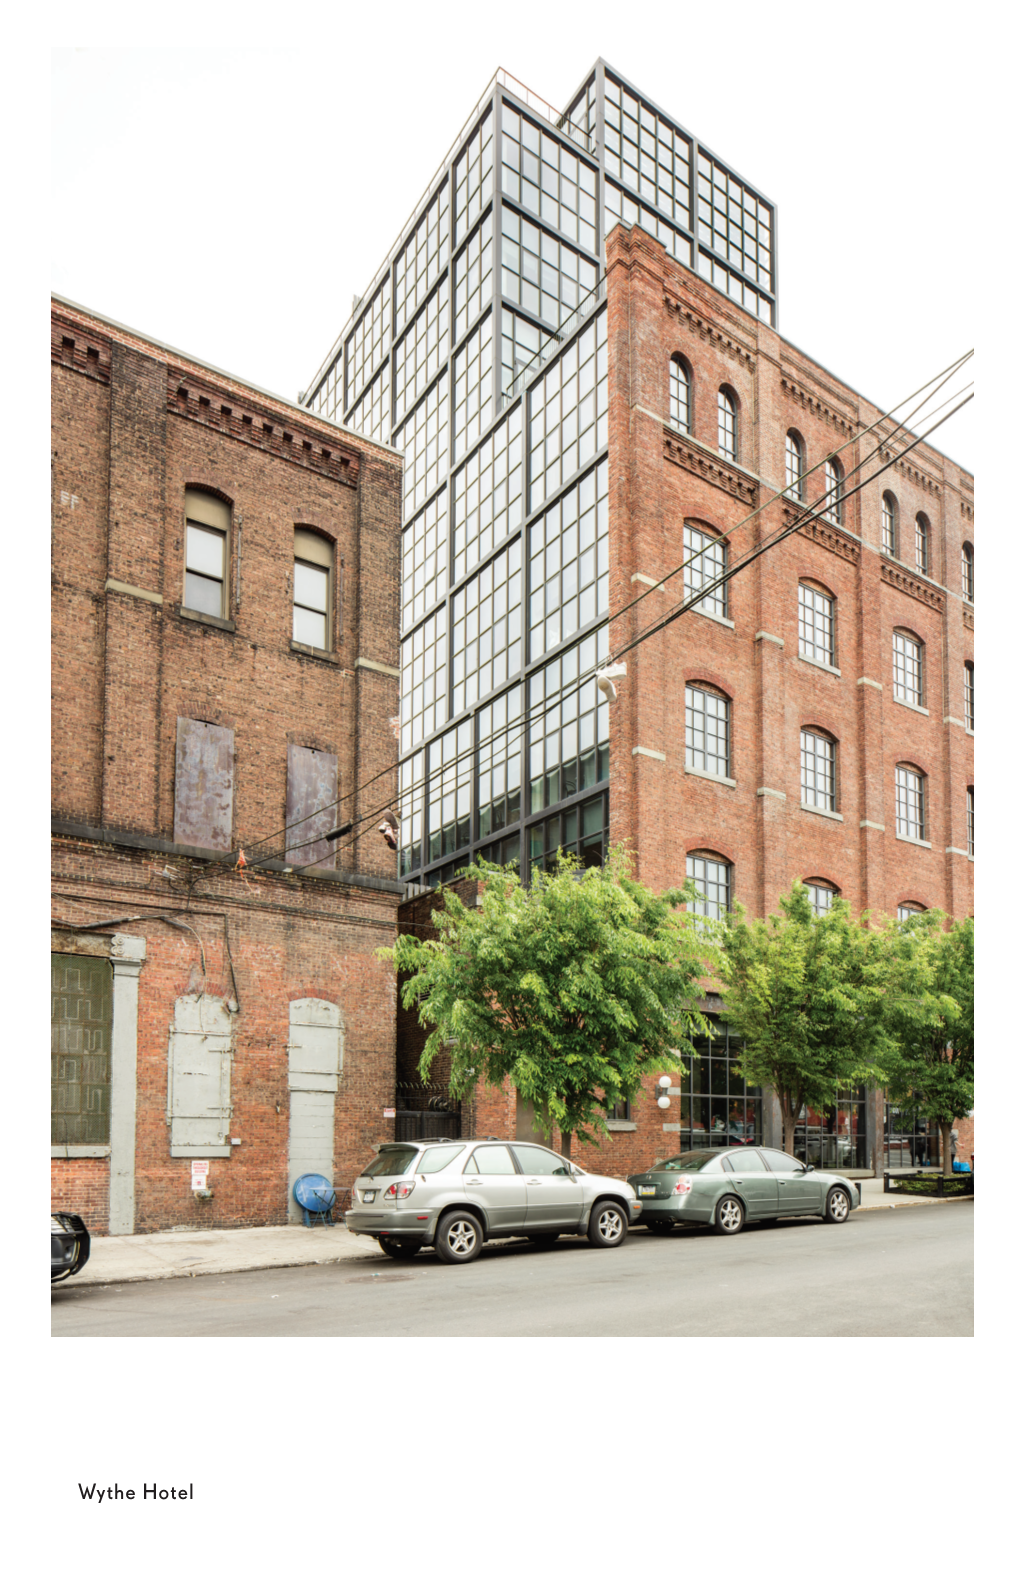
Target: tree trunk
(946, 1129)
(789, 1125)
(565, 1139)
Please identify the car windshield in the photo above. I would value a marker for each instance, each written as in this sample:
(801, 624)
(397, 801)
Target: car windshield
(390, 1162)
(692, 1162)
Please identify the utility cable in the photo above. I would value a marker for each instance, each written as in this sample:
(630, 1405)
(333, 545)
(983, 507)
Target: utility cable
(819, 513)
(940, 378)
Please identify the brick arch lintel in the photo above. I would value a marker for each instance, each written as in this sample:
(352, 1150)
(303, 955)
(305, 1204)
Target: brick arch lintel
(816, 725)
(706, 676)
(212, 488)
(820, 876)
(915, 764)
(711, 846)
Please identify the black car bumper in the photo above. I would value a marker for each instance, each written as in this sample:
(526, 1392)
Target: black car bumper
(69, 1247)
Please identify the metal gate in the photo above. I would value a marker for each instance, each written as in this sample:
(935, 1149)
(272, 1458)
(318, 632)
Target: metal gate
(427, 1124)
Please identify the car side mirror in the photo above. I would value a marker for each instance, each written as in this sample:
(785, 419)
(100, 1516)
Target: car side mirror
(807, 1168)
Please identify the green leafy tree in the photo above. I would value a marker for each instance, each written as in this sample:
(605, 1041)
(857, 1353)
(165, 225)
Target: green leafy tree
(807, 996)
(931, 1014)
(570, 989)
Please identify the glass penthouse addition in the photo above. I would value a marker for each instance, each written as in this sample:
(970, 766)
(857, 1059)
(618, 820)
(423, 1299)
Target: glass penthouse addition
(480, 350)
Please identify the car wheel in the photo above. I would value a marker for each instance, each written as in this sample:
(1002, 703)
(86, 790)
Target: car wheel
(399, 1248)
(729, 1217)
(607, 1227)
(837, 1206)
(459, 1237)
(659, 1226)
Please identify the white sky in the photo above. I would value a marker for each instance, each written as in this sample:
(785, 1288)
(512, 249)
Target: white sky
(232, 201)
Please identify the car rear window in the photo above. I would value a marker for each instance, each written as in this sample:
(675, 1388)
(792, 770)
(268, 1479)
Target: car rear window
(390, 1162)
(690, 1162)
(437, 1159)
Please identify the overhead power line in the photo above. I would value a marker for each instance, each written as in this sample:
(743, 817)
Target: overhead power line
(804, 517)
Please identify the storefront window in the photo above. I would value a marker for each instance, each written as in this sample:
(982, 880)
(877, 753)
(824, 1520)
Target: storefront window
(909, 1140)
(716, 1107)
(834, 1137)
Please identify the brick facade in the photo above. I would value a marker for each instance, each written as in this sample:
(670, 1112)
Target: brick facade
(661, 478)
(134, 425)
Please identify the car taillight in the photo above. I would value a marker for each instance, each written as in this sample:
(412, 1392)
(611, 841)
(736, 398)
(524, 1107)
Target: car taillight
(684, 1185)
(399, 1190)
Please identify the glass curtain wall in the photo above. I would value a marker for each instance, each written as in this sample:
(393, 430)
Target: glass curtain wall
(479, 350)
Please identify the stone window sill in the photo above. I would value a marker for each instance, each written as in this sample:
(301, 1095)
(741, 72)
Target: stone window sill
(207, 618)
(912, 706)
(918, 842)
(79, 1151)
(710, 777)
(716, 618)
(615, 1126)
(314, 651)
(816, 809)
(824, 667)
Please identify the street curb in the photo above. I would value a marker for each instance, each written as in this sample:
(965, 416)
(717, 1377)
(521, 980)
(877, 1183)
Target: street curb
(914, 1203)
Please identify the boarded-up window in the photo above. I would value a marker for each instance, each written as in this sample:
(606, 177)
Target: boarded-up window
(198, 1085)
(82, 1018)
(311, 794)
(204, 785)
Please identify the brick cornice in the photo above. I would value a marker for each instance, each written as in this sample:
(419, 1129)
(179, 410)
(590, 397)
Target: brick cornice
(893, 575)
(200, 400)
(795, 392)
(827, 536)
(911, 473)
(707, 332)
(88, 353)
(715, 470)
(966, 509)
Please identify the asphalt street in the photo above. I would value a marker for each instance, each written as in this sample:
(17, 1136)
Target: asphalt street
(884, 1272)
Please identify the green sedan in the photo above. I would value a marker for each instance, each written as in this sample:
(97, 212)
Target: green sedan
(723, 1188)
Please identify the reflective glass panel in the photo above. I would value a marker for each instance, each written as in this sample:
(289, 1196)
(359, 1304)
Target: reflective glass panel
(569, 570)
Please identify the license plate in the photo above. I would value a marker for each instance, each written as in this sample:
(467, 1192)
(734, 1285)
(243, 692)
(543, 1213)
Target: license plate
(646, 1192)
(369, 1198)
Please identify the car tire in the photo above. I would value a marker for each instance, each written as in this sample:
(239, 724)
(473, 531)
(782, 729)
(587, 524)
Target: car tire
(399, 1247)
(458, 1237)
(607, 1226)
(837, 1206)
(660, 1227)
(729, 1216)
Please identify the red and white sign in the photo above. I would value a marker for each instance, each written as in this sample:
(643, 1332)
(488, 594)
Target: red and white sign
(199, 1175)
(389, 1111)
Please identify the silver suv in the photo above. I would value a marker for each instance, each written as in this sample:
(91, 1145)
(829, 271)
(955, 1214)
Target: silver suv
(454, 1194)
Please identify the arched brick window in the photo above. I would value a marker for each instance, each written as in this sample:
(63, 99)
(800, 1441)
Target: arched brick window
(681, 396)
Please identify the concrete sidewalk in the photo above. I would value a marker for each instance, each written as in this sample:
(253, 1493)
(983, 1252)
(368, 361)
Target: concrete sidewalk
(164, 1255)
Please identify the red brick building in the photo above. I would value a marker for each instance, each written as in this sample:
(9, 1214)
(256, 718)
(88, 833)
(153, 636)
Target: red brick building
(225, 594)
(813, 719)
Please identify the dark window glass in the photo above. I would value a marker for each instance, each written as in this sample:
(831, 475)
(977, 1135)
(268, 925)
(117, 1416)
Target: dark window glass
(745, 1160)
(540, 1162)
(390, 1163)
(779, 1162)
